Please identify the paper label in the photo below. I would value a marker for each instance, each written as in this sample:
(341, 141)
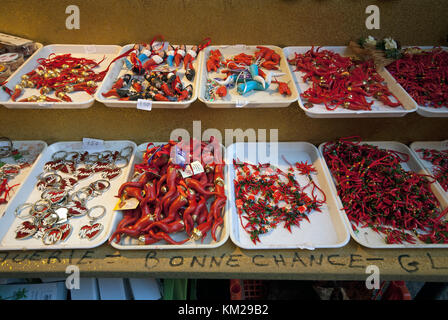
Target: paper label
(90, 49)
(444, 144)
(143, 104)
(45, 105)
(127, 204)
(241, 103)
(197, 168)
(92, 144)
(187, 172)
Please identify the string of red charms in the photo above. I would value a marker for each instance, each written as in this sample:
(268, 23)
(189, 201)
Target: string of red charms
(424, 75)
(338, 81)
(266, 196)
(378, 193)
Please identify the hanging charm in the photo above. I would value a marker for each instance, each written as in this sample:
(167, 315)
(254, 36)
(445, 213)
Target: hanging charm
(93, 229)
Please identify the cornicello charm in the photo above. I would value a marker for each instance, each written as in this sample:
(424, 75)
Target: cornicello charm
(93, 229)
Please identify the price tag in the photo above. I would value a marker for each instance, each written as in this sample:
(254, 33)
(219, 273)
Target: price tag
(241, 103)
(92, 144)
(143, 104)
(128, 204)
(187, 172)
(197, 168)
(90, 49)
(45, 105)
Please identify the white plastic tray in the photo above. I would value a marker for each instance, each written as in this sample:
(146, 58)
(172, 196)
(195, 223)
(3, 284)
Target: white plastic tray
(427, 111)
(117, 70)
(29, 193)
(81, 99)
(270, 98)
(436, 145)
(379, 109)
(366, 236)
(128, 243)
(33, 151)
(326, 229)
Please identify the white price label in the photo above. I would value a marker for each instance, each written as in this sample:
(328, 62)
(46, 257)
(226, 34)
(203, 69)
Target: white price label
(45, 105)
(197, 168)
(241, 103)
(144, 104)
(92, 144)
(90, 49)
(187, 172)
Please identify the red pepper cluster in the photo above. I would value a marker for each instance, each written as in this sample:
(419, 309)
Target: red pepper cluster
(62, 74)
(424, 75)
(339, 81)
(378, 193)
(266, 197)
(439, 160)
(170, 203)
(6, 172)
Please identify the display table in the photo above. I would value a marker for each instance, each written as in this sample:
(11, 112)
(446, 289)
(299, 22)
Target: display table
(278, 23)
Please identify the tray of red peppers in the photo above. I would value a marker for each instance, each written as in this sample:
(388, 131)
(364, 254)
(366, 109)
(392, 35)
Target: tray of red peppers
(178, 196)
(433, 155)
(389, 199)
(333, 83)
(282, 200)
(423, 73)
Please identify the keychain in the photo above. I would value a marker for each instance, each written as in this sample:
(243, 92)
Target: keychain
(93, 229)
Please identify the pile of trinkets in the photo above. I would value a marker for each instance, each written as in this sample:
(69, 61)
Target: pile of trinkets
(60, 75)
(49, 217)
(266, 196)
(341, 82)
(379, 194)
(245, 72)
(155, 71)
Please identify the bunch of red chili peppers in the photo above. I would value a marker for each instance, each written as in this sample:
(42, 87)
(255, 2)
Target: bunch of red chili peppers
(169, 200)
(338, 81)
(60, 74)
(266, 196)
(6, 173)
(439, 160)
(378, 193)
(424, 75)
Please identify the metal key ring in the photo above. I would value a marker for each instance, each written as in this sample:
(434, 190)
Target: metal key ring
(60, 152)
(6, 151)
(93, 218)
(22, 207)
(84, 191)
(118, 160)
(39, 213)
(72, 156)
(96, 186)
(129, 153)
(105, 155)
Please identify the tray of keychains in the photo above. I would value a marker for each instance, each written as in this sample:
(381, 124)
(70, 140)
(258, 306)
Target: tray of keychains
(68, 198)
(16, 161)
(126, 95)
